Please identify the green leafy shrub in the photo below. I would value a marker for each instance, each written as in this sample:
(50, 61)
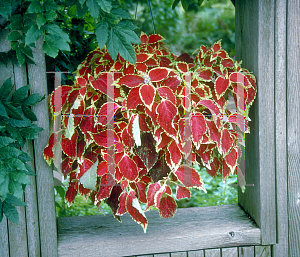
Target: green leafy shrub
(15, 127)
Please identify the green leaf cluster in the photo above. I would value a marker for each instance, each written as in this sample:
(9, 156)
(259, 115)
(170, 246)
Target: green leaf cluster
(15, 127)
(108, 22)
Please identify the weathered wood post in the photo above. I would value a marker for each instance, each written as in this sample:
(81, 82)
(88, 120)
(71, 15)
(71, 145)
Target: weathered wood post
(35, 235)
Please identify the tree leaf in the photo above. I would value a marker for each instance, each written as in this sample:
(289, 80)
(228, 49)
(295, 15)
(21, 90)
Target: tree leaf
(51, 15)
(58, 42)
(15, 164)
(112, 44)
(121, 13)
(10, 212)
(55, 30)
(28, 113)
(50, 49)
(50, 6)
(4, 188)
(93, 8)
(89, 178)
(34, 7)
(15, 188)
(12, 111)
(33, 99)
(102, 33)
(19, 177)
(26, 50)
(14, 36)
(33, 34)
(30, 132)
(4, 141)
(19, 95)
(24, 157)
(8, 152)
(125, 29)
(11, 199)
(3, 112)
(105, 5)
(40, 20)
(20, 123)
(5, 88)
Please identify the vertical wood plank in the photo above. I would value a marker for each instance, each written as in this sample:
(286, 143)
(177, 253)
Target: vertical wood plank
(4, 247)
(44, 178)
(293, 123)
(212, 253)
(247, 251)
(32, 220)
(230, 252)
(6, 72)
(255, 46)
(199, 253)
(161, 255)
(263, 251)
(281, 248)
(180, 254)
(18, 233)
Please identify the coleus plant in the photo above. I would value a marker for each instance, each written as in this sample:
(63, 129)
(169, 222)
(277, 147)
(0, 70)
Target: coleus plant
(130, 132)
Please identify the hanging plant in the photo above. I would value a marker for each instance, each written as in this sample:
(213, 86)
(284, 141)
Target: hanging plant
(167, 114)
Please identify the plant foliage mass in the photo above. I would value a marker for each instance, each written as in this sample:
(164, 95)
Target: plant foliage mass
(131, 133)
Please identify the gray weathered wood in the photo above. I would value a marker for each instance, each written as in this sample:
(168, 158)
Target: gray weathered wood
(181, 254)
(4, 247)
(32, 220)
(263, 251)
(162, 255)
(18, 233)
(44, 178)
(213, 253)
(281, 248)
(230, 252)
(199, 253)
(190, 229)
(255, 46)
(247, 251)
(293, 124)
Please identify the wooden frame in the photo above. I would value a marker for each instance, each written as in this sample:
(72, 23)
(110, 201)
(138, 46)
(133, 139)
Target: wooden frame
(267, 40)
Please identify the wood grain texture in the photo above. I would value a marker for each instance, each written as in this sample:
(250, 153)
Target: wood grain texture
(281, 248)
(190, 229)
(212, 253)
(32, 220)
(31, 229)
(44, 178)
(293, 124)
(181, 254)
(263, 251)
(199, 253)
(162, 255)
(229, 252)
(255, 46)
(4, 246)
(247, 251)
(17, 233)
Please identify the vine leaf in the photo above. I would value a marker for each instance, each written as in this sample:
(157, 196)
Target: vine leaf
(102, 33)
(32, 34)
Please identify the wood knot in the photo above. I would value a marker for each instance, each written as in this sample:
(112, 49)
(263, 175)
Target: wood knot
(231, 234)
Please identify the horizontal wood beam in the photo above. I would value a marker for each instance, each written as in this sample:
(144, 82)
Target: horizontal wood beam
(190, 229)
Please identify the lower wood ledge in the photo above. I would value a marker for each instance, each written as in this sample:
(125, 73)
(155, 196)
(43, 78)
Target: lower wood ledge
(190, 229)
